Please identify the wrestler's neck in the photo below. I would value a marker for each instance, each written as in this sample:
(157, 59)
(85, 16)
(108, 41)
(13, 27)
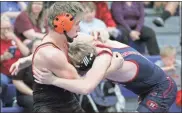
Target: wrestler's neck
(56, 38)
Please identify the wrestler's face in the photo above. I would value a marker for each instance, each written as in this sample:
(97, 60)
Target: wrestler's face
(37, 7)
(75, 29)
(169, 60)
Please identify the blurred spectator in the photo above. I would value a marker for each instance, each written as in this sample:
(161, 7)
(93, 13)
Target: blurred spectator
(89, 22)
(148, 4)
(169, 10)
(172, 67)
(170, 64)
(12, 9)
(103, 13)
(158, 4)
(130, 18)
(11, 50)
(48, 3)
(32, 23)
(24, 83)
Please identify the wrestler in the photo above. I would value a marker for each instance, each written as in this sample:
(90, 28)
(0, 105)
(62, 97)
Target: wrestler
(157, 91)
(52, 54)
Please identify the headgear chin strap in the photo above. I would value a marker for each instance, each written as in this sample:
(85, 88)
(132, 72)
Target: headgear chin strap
(87, 62)
(69, 39)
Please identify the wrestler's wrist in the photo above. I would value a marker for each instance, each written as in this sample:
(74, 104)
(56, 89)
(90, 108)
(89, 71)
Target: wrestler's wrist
(54, 82)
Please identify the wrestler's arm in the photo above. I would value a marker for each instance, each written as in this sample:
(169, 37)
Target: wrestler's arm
(58, 64)
(20, 64)
(92, 78)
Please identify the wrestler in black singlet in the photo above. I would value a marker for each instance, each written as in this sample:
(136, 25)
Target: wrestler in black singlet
(52, 99)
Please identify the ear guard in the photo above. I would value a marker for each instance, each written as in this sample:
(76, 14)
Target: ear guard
(63, 23)
(87, 62)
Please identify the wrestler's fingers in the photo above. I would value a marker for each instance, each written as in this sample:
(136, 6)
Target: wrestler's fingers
(15, 71)
(37, 71)
(38, 81)
(13, 66)
(46, 70)
(37, 77)
(119, 55)
(95, 34)
(116, 54)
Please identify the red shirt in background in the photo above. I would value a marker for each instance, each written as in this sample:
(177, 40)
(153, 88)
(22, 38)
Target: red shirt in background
(6, 64)
(179, 98)
(103, 13)
(23, 23)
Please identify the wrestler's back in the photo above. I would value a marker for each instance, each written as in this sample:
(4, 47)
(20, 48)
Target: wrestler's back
(122, 74)
(139, 78)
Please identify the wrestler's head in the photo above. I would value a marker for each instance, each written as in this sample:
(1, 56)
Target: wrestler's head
(168, 55)
(58, 18)
(78, 50)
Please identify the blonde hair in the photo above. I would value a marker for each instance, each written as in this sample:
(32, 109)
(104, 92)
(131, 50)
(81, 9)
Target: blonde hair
(73, 8)
(78, 50)
(90, 5)
(41, 19)
(167, 51)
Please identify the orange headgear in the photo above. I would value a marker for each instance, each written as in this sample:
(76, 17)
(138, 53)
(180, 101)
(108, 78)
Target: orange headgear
(63, 23)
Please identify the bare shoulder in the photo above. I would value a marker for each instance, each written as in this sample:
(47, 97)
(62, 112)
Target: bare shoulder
(99, 50)
(52, 55)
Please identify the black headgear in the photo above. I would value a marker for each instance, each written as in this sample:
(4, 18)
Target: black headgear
(87, 62)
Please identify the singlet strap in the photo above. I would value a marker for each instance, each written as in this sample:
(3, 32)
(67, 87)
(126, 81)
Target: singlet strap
(103, 46)
(41, 46)
(104, 52)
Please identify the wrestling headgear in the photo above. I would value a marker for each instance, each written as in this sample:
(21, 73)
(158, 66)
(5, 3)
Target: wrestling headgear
(63, 23)
(87, 62)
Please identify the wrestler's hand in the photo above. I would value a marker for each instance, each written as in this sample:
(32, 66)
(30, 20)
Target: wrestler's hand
(19, 65)
(117, 61)
(44, 76)
(100, 34)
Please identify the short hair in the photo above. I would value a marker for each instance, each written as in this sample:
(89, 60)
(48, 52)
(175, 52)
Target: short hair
(167, 51)
(90, 5)
(73, 8)
(78, 50)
